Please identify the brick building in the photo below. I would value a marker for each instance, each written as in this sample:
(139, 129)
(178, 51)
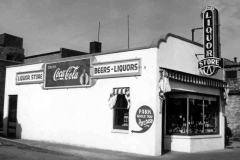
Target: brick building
(11, 53)
(232, 75)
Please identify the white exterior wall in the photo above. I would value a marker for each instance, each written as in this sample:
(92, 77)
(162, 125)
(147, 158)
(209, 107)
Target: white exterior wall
(179, 55)
(193, 144)
(81, 116)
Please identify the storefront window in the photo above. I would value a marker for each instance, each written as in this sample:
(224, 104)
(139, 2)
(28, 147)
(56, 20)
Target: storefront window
(121, 113)
(211, 117)
(188, 114)
(177, 116)
(195, 124)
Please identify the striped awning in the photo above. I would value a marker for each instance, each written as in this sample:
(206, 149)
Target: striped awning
(195, 79)
(116, 91)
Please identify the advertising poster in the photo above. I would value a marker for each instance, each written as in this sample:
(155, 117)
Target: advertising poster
(74, 73)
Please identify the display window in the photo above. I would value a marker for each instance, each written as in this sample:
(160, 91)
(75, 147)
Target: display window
(190, 114)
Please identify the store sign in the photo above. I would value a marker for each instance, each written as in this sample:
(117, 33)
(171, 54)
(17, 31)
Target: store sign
(144, 118)
(74, 73)
(29, 77)
(212, 61)
(117, 69)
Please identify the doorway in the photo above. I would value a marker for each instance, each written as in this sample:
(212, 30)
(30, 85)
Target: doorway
(163, 125)
(12, 116)
(164, 107)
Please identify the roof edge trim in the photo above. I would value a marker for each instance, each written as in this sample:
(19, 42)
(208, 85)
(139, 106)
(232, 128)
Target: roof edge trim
(163, 38)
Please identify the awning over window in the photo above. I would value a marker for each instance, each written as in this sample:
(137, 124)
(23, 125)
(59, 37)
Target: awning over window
(116, 91)
(195, 79)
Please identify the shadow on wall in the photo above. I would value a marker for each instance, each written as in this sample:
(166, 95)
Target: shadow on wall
(228, 135)
(167, 145)
(19, 131)
(228, 132)
(12, 130)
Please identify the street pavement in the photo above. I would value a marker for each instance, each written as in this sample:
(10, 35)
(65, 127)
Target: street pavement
(68, 152)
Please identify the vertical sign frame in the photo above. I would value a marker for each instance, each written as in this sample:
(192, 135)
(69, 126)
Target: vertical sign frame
(212, 61)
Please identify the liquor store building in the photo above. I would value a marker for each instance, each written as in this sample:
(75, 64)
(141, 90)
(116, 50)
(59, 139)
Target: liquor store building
(142, 100)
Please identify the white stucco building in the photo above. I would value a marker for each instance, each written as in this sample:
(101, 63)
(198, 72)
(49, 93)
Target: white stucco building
(111, 100)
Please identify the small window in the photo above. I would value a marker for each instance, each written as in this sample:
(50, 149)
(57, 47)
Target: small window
(121, 113)
(231, 74)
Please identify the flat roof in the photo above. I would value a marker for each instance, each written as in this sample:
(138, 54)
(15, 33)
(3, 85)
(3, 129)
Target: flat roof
(44, 54)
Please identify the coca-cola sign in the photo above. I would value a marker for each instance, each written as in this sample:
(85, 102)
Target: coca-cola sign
(74, 73)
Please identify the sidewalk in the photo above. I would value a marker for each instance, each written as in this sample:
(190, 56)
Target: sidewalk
(77, 151)
(232, 152)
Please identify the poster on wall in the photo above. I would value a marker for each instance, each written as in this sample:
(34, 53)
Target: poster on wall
(67, 74)
(144, 118)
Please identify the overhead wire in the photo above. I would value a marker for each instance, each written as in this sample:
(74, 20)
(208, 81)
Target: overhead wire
(130, 44)
(76, 36)
(68, 40)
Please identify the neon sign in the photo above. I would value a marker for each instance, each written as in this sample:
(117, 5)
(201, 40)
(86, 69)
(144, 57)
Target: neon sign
(212, 61)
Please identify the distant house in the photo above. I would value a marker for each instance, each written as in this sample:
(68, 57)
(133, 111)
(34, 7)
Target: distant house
(232, 75)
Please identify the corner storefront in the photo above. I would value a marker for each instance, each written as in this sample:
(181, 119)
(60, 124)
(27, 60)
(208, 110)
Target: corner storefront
(140, 101)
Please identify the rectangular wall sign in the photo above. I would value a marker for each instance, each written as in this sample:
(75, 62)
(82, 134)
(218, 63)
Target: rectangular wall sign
(29, 77)
(117, 69)
(66, 74)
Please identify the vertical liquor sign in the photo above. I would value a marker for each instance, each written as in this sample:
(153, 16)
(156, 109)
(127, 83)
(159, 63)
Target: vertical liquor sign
(212, 61)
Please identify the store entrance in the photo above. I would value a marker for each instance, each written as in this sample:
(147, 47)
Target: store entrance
(12, 116)
(164, 151)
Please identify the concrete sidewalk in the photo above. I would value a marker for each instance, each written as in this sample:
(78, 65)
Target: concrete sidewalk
(232, 152)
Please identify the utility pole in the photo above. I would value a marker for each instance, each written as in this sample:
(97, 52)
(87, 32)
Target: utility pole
(128, 31)
(98, 31)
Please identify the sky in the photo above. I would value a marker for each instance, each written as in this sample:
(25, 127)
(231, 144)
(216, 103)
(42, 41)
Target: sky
(48, 25)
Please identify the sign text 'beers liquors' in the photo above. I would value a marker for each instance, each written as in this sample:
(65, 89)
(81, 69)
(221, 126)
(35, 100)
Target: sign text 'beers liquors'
(212, 59)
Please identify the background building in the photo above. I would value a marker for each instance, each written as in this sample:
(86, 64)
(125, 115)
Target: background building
(232, 75)
(11, 52)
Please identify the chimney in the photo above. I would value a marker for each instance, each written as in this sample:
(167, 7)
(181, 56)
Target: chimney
(95, 47)
(235, 59)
